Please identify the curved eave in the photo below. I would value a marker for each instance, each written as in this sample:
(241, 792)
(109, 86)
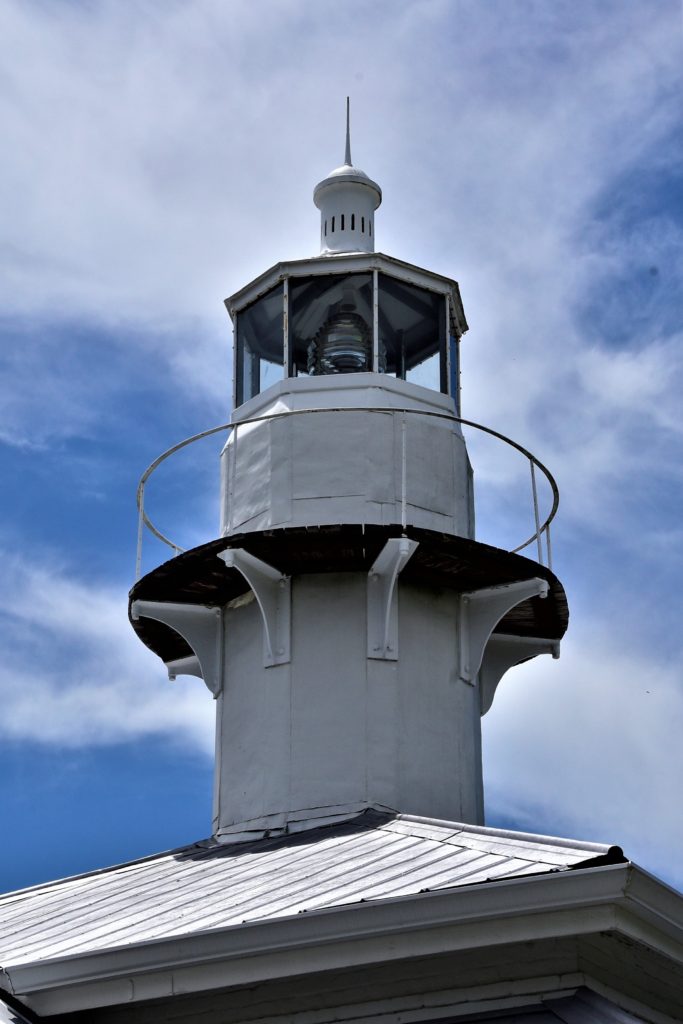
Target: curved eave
(200, 577)
(352, 177)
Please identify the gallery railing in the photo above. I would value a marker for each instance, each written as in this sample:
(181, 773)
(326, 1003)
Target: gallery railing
(540, 535)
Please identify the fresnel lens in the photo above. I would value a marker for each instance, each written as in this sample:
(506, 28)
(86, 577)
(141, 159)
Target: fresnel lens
(343, 344)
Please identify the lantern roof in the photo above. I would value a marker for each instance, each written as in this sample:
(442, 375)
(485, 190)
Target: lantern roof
(352, 263)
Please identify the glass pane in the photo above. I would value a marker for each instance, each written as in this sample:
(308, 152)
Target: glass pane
(412, 332)
(331, 324)
(271, 373)
(247, 373)
(427, 373)
(260, 344)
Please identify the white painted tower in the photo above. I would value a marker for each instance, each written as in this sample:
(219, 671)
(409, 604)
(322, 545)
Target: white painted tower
(350, 627)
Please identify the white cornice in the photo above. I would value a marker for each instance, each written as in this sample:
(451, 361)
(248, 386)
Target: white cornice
(348, 263)
(615, 898)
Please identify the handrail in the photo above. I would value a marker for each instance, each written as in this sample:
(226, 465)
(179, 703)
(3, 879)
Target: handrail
(143, 519)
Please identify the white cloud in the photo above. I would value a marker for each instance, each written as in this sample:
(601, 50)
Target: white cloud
(153, 171)
(77, 675)
(591, 746)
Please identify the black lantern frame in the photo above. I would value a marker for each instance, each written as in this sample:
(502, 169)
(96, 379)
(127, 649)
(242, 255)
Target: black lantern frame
(358, 315)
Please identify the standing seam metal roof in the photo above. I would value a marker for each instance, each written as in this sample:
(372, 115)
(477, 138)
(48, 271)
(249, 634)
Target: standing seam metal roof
(211, 885)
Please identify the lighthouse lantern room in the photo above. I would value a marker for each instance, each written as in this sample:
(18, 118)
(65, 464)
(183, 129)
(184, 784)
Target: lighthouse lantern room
(352, 314)
(351, 628)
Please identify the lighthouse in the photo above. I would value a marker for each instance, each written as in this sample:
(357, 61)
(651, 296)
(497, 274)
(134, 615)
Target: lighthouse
(352, 629)
(348, 623)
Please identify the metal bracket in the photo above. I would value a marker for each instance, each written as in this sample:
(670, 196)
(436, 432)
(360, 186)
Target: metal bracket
(273, 591)
(201, 627)
(504, 651)
(184, 667)
(383, 597)
(478, 614)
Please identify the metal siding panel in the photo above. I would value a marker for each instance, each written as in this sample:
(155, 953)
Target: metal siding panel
(251, 479)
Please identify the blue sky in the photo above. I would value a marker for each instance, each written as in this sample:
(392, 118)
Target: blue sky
(157, 156)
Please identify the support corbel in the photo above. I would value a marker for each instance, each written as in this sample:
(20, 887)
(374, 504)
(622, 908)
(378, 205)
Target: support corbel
(478, 614)
(501, 653)
(184, 667)
(382, 603)
(274, 596)
(202, 629)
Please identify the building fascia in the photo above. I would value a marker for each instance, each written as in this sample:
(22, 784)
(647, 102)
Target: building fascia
(561, 904)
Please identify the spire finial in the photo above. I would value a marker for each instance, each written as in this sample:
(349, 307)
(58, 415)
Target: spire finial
(347, 155)
(347, 200)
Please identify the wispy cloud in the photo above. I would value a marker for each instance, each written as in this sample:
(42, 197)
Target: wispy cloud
(142, 194)
(78, 676)
(579, 745)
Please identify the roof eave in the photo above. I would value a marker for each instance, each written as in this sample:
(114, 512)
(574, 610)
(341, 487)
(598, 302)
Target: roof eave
(616, 898)
(352, 262)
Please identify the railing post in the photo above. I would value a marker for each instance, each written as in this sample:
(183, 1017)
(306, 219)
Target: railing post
(144, 521)
(404, 516)
(536, 518)
(141, 526)
(231, 490)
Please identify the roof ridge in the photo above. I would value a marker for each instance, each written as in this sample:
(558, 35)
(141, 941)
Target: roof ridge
(502, 833)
